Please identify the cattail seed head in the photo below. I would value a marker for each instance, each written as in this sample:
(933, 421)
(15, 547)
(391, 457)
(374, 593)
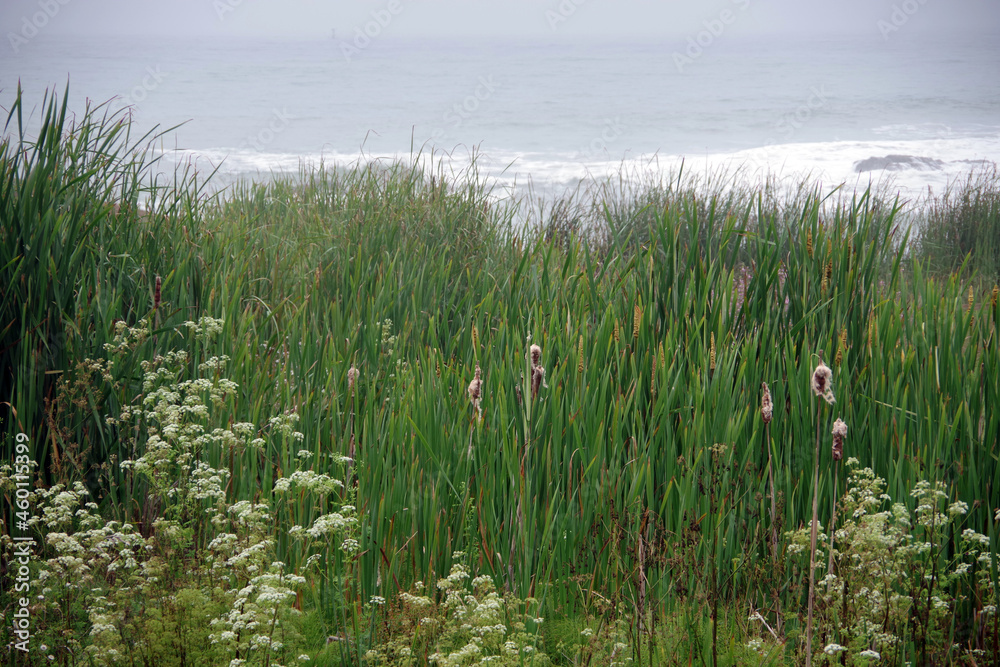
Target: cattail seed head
(476, 388)
(636, 320)
(766, 406)
(839, 435)
(579, 356)
(156, 293)
(536, 355)
(475, 338)
(711, 353)
(996, 296)
(809, 243)
(352, 376)
(617, 333)
(972, 297)
(841, 347)
(537, 380)
(663, 358)
(822, 383)
(824, 283)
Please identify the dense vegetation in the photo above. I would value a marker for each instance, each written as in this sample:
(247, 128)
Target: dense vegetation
(307, 420)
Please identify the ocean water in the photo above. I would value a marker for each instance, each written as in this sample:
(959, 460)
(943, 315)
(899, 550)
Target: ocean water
(546, 115)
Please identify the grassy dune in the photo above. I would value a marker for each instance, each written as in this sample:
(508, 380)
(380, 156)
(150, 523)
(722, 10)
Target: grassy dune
(320, 475)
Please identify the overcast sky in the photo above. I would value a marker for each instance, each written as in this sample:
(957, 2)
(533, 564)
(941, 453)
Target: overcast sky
(514, 18)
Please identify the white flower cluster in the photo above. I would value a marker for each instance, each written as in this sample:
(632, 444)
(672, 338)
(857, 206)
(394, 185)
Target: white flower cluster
(322, 485)
(200, 552)
(492, 629)
(127, 338)
(878, 547)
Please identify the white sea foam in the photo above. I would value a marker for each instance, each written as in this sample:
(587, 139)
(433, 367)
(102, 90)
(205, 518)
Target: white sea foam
(913, 168)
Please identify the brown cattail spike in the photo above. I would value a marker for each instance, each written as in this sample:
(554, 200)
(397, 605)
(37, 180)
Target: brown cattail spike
(537, 380)
(711, 354)
(652, 379)
(809, 243)
(636, 320)
(475, 390)
(156, 293)
(766, 406)
(579, 356)
(663, 358)
(839, 435)
(841, 347)
(972, 297)
(996, 296)
(617, 333)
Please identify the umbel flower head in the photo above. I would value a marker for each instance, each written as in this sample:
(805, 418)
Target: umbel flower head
(822, 383)
(766, 406)
(839, 435)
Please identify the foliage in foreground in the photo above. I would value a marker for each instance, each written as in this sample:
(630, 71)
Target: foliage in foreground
(310, 395)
